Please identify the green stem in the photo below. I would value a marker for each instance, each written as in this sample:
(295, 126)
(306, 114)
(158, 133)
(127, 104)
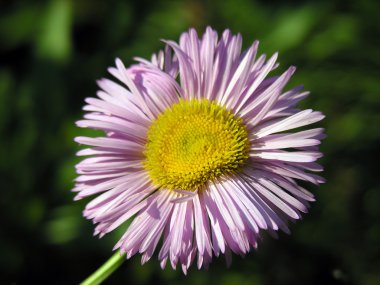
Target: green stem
(105, 270)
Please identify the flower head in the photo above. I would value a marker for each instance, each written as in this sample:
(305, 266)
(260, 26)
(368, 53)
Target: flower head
(197, 151)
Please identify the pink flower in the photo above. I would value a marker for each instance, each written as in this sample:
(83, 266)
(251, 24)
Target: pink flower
(197, 151)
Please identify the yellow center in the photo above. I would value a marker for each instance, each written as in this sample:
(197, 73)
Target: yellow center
(193, 142)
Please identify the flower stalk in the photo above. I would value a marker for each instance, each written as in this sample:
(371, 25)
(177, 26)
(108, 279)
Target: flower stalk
(103, 272)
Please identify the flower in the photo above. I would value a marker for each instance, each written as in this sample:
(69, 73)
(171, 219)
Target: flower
(196, 151)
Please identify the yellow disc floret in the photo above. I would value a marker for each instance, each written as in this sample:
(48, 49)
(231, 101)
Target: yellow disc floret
(193, 142)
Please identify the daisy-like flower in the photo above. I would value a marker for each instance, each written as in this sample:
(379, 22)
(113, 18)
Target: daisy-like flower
(197, 152)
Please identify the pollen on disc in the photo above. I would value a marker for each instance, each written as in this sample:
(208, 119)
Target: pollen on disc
(194, 142)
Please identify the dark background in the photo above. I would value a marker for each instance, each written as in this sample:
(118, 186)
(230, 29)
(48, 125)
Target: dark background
(51, 53)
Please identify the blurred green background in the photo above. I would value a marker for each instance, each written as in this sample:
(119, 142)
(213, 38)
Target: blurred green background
(51, 53)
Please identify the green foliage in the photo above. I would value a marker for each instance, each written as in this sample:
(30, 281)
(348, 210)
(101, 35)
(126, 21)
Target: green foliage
(51, 54)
